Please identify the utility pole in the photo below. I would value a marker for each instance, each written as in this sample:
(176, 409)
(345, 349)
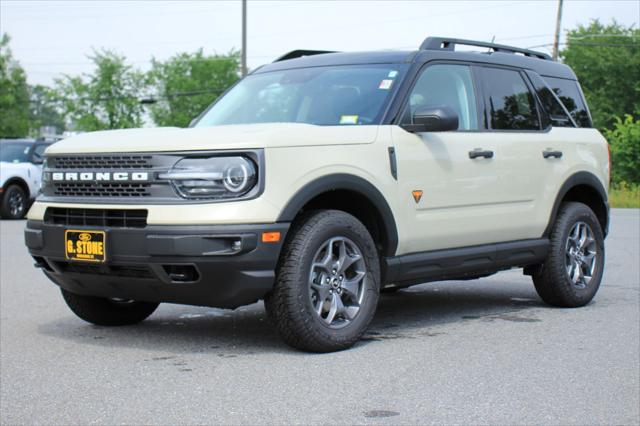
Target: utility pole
(556, 40)
(244, 38)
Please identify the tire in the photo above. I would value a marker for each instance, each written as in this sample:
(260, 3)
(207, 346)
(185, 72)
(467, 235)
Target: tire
(108, 312)
(572, 271)
(15, 203)
(313, 308)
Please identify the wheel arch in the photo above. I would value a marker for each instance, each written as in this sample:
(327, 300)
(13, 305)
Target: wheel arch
(17, 181)
(586, 188)
(354, 195)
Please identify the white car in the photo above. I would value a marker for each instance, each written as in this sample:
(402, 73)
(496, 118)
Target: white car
(20, 175)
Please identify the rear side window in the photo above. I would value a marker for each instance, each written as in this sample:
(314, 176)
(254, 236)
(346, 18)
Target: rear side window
(570, 95)
(509, 102)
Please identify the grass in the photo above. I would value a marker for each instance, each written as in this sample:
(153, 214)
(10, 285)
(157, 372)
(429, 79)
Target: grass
(624, 195)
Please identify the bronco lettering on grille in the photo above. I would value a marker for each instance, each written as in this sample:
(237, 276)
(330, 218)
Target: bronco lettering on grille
(99, 176)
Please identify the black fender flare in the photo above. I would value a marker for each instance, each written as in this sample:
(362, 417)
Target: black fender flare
(579, 178)
(343, 181)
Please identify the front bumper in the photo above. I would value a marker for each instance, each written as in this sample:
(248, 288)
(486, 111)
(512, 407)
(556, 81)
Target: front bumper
(222, 266)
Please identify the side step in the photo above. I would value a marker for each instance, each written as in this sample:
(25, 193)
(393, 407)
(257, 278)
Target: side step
(459, 263)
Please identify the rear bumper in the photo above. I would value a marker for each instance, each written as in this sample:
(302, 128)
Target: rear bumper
(215, 265)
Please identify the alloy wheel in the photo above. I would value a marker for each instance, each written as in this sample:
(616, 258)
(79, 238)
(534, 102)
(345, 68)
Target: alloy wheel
(337, 282)
(580, 255)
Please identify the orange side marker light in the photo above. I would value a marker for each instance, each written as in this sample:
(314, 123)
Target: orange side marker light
(271, 237)
(417, 195)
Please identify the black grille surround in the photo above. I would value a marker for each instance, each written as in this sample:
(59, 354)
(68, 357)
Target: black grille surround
(114, 218)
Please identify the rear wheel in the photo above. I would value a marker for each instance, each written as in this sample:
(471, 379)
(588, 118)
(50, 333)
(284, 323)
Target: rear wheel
(108, 312)
(327, 283)
(14, 203)
(572, 271)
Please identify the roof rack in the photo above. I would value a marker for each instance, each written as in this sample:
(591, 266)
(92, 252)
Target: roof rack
(443, 43)
(300, 53)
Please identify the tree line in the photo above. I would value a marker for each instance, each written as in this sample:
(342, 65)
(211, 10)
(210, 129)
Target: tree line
(606, 59)
(113, 96)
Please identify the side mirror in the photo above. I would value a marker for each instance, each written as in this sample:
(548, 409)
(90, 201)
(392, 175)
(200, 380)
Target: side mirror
(37, 159)
(433, 119)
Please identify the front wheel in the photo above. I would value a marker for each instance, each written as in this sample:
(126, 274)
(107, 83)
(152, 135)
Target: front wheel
(327, 283)
(108, 312)
(572, 272)
(14, 203)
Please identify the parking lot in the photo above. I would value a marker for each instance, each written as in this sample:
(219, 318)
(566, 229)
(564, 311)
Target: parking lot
(485, 351)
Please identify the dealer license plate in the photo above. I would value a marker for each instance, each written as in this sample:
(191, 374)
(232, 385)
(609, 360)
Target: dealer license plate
(85, 246)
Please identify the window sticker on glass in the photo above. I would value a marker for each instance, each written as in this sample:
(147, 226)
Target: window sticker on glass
(349, 119)
(385, 84)
(392, 74)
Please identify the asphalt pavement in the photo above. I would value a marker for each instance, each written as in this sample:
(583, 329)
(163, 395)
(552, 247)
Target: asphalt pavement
(476, 352)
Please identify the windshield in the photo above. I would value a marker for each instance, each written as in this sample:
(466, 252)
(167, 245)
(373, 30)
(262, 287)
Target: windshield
(326, 96)
(14, 152)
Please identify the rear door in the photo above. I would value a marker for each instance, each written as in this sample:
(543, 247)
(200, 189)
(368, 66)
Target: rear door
(530, 152)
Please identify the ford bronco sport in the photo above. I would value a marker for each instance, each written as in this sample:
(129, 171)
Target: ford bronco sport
(324, 178)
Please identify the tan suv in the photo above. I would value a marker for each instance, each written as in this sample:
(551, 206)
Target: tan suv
(322, 179)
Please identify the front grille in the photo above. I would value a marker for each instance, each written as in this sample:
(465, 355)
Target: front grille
(130, 271)
(99, 189)
(101, 162)
(96, 217)
(65, 177)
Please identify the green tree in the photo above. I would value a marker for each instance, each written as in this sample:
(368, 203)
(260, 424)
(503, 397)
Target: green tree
(14, 94)
(187, 83)
(606, 59)
(44, 110)
(624, 140)
(106, 99)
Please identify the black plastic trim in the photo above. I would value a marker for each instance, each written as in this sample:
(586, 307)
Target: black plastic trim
(233, 267)
(345, 182)
(580, 178)
(302, 52)
(464, 262)
(393, 162)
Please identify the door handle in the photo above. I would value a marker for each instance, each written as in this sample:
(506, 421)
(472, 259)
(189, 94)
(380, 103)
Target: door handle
(480, 153)
(550, 153)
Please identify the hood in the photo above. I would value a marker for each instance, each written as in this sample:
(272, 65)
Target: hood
(271, 135)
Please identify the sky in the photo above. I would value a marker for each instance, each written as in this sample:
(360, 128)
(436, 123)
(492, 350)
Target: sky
(51, 38)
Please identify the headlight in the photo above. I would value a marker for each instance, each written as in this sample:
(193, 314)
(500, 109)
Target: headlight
(213, 177)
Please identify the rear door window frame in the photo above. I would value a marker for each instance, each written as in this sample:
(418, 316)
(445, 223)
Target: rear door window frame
(485, 97)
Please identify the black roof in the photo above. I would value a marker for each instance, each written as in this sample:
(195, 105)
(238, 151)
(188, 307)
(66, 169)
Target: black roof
(433, 48)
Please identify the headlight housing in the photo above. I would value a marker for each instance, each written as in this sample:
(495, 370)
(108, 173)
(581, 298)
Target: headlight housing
(213, 177)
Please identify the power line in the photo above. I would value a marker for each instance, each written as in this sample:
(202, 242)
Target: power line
(587, 44)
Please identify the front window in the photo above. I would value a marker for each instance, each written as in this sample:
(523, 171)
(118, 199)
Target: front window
(14, 152)
(326, 96)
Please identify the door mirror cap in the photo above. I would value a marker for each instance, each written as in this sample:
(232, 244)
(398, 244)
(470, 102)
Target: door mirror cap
(433, 119)
(37, 159)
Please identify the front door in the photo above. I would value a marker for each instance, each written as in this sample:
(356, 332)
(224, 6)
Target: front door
(449, 181)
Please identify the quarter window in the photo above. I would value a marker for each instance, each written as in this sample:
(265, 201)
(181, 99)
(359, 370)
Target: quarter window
(555, 112)
(569, 93)
(446, 85)
(510, 103)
